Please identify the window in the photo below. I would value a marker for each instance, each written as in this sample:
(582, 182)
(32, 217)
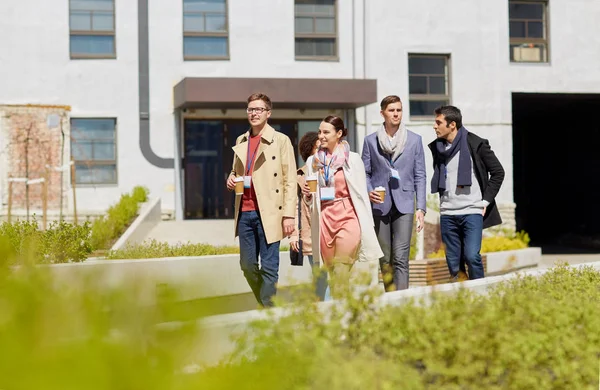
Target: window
(528, 31)
(92, 28)
(428, 83)
(205, 33)
(93, 148)
(316, 29)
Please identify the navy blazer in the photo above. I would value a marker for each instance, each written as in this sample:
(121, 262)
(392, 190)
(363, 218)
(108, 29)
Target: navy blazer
(411, 167)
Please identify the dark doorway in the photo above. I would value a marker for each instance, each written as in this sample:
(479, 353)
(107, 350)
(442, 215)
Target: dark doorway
(555, 157)
(207, 162)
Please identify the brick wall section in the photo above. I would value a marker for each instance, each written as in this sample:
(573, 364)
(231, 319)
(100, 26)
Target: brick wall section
(28, 146)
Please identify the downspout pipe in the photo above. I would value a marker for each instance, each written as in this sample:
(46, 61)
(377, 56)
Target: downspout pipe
(144, 90)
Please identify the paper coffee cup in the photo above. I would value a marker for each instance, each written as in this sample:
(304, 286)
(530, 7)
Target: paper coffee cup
(312, 183)
(381, 191)
(239, 185)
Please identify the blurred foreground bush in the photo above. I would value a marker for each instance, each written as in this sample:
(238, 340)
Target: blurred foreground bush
(529, 333)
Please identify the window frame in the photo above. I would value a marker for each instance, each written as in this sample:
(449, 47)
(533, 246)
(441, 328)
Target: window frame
(93, 163)
(205, 34)
(545, 42)
(313, 35)
(427, 96)
(112, 33)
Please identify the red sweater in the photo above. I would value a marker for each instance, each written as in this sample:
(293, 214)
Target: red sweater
(249, 202)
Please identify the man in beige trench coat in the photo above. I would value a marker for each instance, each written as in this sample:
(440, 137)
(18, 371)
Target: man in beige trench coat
(264, 214)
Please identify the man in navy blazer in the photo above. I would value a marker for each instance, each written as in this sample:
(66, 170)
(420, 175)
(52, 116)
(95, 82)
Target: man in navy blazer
(394, 159)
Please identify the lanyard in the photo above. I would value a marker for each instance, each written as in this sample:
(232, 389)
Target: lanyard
(250, 163)
(327, 167)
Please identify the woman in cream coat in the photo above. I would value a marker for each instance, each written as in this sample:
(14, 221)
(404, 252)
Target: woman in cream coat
(345, 230)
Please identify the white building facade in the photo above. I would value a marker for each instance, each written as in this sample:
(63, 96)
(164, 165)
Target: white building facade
(162, 84)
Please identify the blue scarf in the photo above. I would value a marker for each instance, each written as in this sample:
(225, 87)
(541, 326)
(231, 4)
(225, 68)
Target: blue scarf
(438, 182)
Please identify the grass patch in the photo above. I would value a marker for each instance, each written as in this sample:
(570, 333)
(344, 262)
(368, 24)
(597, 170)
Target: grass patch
(153, 249)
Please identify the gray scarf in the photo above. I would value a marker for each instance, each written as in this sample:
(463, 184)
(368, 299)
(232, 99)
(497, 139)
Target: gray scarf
(396, 147)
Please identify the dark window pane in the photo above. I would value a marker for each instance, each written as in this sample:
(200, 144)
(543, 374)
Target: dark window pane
(92, 5)
(205, 46)
(304, 47)
(517, 29)
(95, 174)
(81, 150)
(96, 45)
(80, 20)
(102, 21)
(417, 84)
(105, 174)
(535, 30)
(204, 6)
(325, 25)
(104, 150)
(526, 11)
(425, 108)
(325, 47)
(304, 25)
(322, 7)
(193, 23)
(216, 23)
(437, 85)
(84, 174)
(426, 65)
(322, 47)
(89, 129)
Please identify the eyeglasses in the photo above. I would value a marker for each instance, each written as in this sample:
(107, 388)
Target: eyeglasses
(258, 110)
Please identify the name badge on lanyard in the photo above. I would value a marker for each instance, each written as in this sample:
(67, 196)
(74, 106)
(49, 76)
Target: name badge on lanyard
(393, 172)
(327, 193)
(247, 181)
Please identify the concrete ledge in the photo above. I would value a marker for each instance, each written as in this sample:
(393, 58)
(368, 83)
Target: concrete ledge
(219, 332)
(194, 277)
(149, 216)
(509, 261)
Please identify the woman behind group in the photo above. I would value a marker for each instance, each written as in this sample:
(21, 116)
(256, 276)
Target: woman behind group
(345, 232)
(308, 145)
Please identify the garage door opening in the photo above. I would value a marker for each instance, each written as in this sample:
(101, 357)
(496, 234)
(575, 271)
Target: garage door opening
(556, 156)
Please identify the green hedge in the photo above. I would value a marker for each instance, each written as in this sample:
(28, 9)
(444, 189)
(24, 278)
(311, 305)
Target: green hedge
(529, 333)
(108, 228)
(61, 242)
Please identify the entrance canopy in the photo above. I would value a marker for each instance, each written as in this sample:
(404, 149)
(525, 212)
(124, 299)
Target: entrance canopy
(200, 92)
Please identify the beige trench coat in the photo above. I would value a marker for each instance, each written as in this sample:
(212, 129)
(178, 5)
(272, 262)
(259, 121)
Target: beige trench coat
(356, 178)
(274, 179)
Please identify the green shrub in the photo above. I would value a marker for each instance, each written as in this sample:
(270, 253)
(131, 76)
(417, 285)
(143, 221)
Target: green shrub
(155, 249)
(108, 228)
(65, 242)
(61, 242)
(528, 333)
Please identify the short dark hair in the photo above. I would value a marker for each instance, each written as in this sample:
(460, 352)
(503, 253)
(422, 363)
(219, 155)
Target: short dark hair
(338, 124)
(263, 97)
(451, 114)
(307, 144)
(386, 101)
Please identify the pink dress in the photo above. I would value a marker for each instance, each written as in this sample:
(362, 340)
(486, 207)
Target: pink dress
(339, 227)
